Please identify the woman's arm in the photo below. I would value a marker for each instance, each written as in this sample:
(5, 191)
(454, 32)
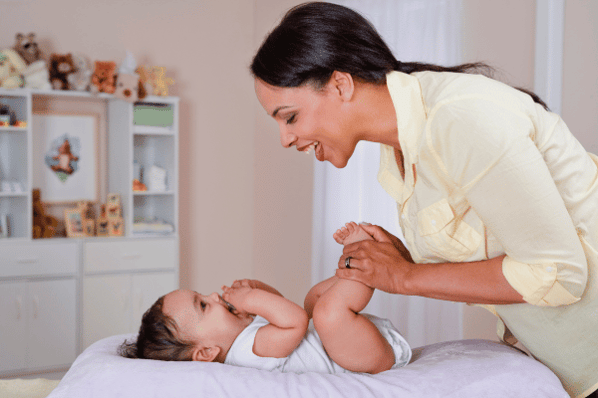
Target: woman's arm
(379, 264)
(287, 321)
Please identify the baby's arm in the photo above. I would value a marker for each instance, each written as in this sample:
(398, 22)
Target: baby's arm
(287, 321)
(255, 284)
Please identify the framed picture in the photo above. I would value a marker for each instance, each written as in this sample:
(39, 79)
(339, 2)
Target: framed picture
(65, 163)
(73, 219)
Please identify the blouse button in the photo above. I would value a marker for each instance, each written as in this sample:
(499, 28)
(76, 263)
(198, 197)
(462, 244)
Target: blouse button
(433, 222)
(548, 269)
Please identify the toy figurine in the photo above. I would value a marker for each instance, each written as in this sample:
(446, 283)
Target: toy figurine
(159, 82)
(102, 223)
(61, 66)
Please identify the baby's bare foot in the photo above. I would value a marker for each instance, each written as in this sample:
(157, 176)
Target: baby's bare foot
(351, 233)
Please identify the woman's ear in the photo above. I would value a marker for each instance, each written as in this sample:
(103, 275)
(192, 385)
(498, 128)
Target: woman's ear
(343, 84)
(205, 353)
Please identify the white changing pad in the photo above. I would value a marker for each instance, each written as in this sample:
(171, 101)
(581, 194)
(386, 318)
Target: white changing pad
(465, 368)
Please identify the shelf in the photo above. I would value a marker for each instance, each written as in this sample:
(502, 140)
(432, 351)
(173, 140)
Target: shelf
(150, 193)
(13, 129)
(13, 194)
(151, 130)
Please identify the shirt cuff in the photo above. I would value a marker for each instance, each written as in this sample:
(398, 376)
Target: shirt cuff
(537, 283)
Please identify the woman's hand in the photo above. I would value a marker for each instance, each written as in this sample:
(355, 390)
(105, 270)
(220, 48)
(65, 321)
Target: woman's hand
(383, 263)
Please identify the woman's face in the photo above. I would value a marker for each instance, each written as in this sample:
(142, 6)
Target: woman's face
(311, 119)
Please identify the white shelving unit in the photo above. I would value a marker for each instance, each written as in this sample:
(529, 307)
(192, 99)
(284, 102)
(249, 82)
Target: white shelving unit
(59, 295)
(15, 167)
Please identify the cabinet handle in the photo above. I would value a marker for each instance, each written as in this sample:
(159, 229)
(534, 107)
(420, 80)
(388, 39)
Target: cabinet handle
(130, 256)
(35, 306)
(19, 304)
(25, 260)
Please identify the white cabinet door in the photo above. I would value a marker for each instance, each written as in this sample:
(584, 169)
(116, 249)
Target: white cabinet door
(114, 304)
(106, 307)
(147, 288)
(52, 333)
(13, 336)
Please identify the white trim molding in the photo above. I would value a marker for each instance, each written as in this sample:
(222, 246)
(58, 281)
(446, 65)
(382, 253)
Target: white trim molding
(548, 69)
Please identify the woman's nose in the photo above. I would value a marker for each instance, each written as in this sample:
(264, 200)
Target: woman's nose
(214, 296)
(286, 138)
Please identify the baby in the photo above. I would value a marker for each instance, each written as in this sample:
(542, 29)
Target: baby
(253, 325)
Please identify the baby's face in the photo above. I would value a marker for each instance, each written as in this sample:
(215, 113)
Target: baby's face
(204, 320)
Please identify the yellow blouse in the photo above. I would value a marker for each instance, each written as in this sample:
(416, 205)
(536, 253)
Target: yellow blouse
(489, 172)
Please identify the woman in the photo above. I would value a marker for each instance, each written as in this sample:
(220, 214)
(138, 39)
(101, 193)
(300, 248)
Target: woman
(497, 201)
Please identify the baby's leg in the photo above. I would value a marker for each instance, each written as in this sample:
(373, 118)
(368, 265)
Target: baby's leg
(351, 340)
(350, 233)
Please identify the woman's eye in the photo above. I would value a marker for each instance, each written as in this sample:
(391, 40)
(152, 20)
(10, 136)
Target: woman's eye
(291, 119)
(202, 305)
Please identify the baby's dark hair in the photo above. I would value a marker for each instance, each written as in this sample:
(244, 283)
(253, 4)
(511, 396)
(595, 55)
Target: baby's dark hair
(157, 338)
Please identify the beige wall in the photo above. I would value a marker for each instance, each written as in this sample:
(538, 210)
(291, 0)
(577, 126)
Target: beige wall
(282, 190)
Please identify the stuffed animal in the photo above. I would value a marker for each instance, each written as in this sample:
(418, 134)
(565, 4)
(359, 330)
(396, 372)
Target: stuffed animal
(128, 84)
(44, 226)
(61, 66)
(27, 48)
(11, 68)
(36, 75)
(81, 79)
(159, 82)
(144, 80)
(103, 78)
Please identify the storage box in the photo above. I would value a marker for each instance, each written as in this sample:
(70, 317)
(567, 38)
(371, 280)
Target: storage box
(156, 115)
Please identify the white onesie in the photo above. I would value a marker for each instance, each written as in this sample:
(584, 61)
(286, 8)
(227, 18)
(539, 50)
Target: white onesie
(310, 355)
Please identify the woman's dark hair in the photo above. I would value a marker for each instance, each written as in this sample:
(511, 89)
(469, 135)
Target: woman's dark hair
(157, 338)
(315, 39)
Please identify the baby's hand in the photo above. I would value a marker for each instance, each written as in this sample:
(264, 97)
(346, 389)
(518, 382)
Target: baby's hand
(237, 295)
(245, 283)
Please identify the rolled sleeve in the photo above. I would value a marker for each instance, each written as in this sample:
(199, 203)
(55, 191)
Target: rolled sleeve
(539, 284)
(495, 163)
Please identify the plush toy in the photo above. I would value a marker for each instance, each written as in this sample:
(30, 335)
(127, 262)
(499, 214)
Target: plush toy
(11, 68)
(27, 48)
(128, 84)
(103, 78)
(36, 75)
(44, 226)
(159, 82)
(61, 66)
(81, 79)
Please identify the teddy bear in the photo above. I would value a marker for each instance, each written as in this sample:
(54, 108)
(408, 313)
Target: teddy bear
(36, 76)
(11, 68)
(27, 48)
(81, 79)
(103, 78)
(44, 226)
(61, 66)
(64, 157)
(159, 82)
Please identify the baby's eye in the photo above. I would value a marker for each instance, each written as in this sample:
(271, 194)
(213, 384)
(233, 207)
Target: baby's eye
(291, 119)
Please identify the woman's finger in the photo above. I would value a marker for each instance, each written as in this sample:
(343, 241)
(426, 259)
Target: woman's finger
(377, 232)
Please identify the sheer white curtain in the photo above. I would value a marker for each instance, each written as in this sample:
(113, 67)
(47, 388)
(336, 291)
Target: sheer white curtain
(415, 30)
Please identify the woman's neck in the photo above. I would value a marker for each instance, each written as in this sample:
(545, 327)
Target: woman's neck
(375, 117)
